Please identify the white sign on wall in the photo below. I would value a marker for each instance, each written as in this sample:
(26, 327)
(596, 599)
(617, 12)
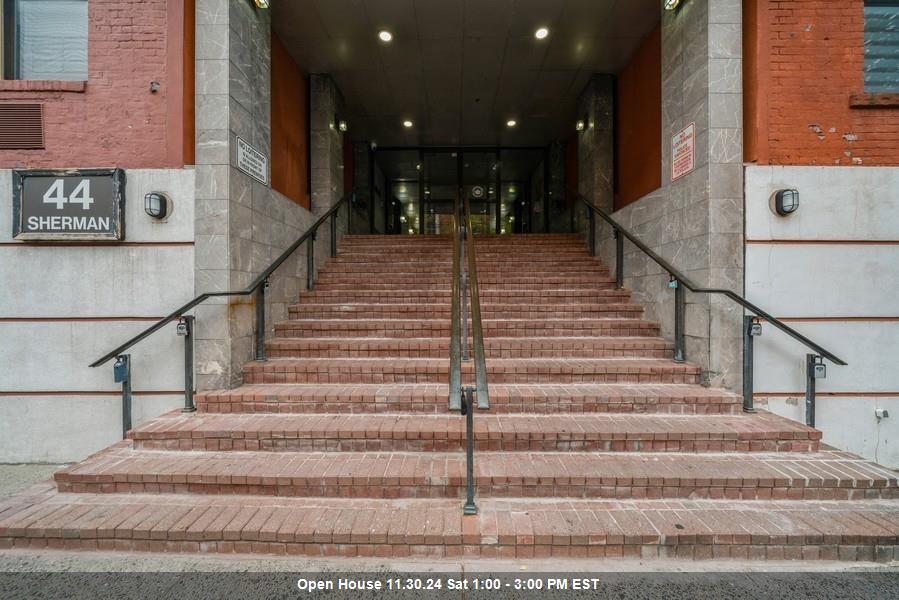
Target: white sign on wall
(252, 162)
(683, 152)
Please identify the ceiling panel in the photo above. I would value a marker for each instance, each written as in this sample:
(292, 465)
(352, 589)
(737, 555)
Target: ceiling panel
(343, 18)
(461, 68)
(438, 19)
(488, 18)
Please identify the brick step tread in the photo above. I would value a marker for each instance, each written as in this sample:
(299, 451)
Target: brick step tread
(533, 297)
(437, 307)
(784, 475)
(763, 432)
(445, 259)
(498, 365)
(500, 370)
(488, 279)
(414, 327)
(513, 323)
(438, 347)
(412, 285)
(435, 528)
(423, 398)
(421, 264)
(488, 311)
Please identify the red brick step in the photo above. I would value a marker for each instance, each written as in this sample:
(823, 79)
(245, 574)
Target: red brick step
(426, 398)
(425, 370)
(496, 347)
(434, 528)
(428, 433)
(758, 476)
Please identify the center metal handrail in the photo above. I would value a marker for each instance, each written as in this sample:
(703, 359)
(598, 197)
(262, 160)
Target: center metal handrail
(477, 331)
(465, 285)
(679, 282)
(122, 368)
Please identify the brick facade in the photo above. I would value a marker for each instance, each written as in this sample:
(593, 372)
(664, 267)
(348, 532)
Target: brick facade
(804, 64)
(115, 119)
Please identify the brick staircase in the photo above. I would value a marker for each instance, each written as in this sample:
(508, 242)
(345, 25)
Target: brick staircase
(596, 443)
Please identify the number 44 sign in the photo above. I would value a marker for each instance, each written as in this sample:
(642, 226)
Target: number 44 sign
(84, 204)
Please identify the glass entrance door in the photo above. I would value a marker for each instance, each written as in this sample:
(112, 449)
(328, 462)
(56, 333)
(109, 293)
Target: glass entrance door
(441, 181)
(506, 188)
(480, 179)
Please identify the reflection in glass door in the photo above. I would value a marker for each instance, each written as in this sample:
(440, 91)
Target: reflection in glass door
(441, 181)
(507, 189)
(480, 178)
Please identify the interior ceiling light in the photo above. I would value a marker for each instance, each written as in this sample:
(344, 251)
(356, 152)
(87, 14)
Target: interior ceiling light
(407, 123)
(543, 32)
(579, 126)
(261, 3)
(385, 36)
(511, 123)
(671, 4)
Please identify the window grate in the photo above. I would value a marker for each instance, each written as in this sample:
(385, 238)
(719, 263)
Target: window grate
(881, 46)
(21, 126)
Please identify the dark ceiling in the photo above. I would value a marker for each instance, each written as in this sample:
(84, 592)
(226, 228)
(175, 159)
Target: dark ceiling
(459, 69)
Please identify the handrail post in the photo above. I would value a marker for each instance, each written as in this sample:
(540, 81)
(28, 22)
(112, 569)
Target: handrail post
(750, 330)
(260, 320)
(591, 235)
(619, 259)
(470, 507)
(814, 369)
(334, 233)
(121, 370)
(310, 261)
(186, 329)
(680, 354)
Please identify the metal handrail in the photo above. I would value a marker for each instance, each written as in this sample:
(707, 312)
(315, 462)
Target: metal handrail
(256, 286)
(477, 331)
(678, 276)
(815, 368)
(455, 374)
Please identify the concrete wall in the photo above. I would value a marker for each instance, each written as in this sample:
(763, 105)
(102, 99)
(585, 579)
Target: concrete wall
(695, 222)
(63, 306)
(832, 270)
(242, 224)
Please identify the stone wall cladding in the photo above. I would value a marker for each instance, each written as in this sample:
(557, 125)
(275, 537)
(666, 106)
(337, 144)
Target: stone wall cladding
(242, 224)
(696, 222)
(116, 120)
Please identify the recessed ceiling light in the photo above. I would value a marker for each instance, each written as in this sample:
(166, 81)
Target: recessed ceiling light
(541, 33)
(385, 36)
(511, 123)
(407, 123)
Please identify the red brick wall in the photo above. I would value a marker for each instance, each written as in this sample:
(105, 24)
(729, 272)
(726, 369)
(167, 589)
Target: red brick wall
(116, 120)
(803, 61)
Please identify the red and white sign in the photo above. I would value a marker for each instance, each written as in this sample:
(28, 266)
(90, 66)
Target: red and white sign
(683, 152)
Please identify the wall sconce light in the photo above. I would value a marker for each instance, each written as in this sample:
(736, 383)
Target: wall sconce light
(342, 125)
(261, 3)
(786, 202)
(580, 125)
(156, 204)
(671, 4)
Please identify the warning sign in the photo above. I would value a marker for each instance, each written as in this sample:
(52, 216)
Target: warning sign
(683, 152)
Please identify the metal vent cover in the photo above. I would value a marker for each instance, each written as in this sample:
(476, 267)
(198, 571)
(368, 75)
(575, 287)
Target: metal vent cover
(21, 126)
